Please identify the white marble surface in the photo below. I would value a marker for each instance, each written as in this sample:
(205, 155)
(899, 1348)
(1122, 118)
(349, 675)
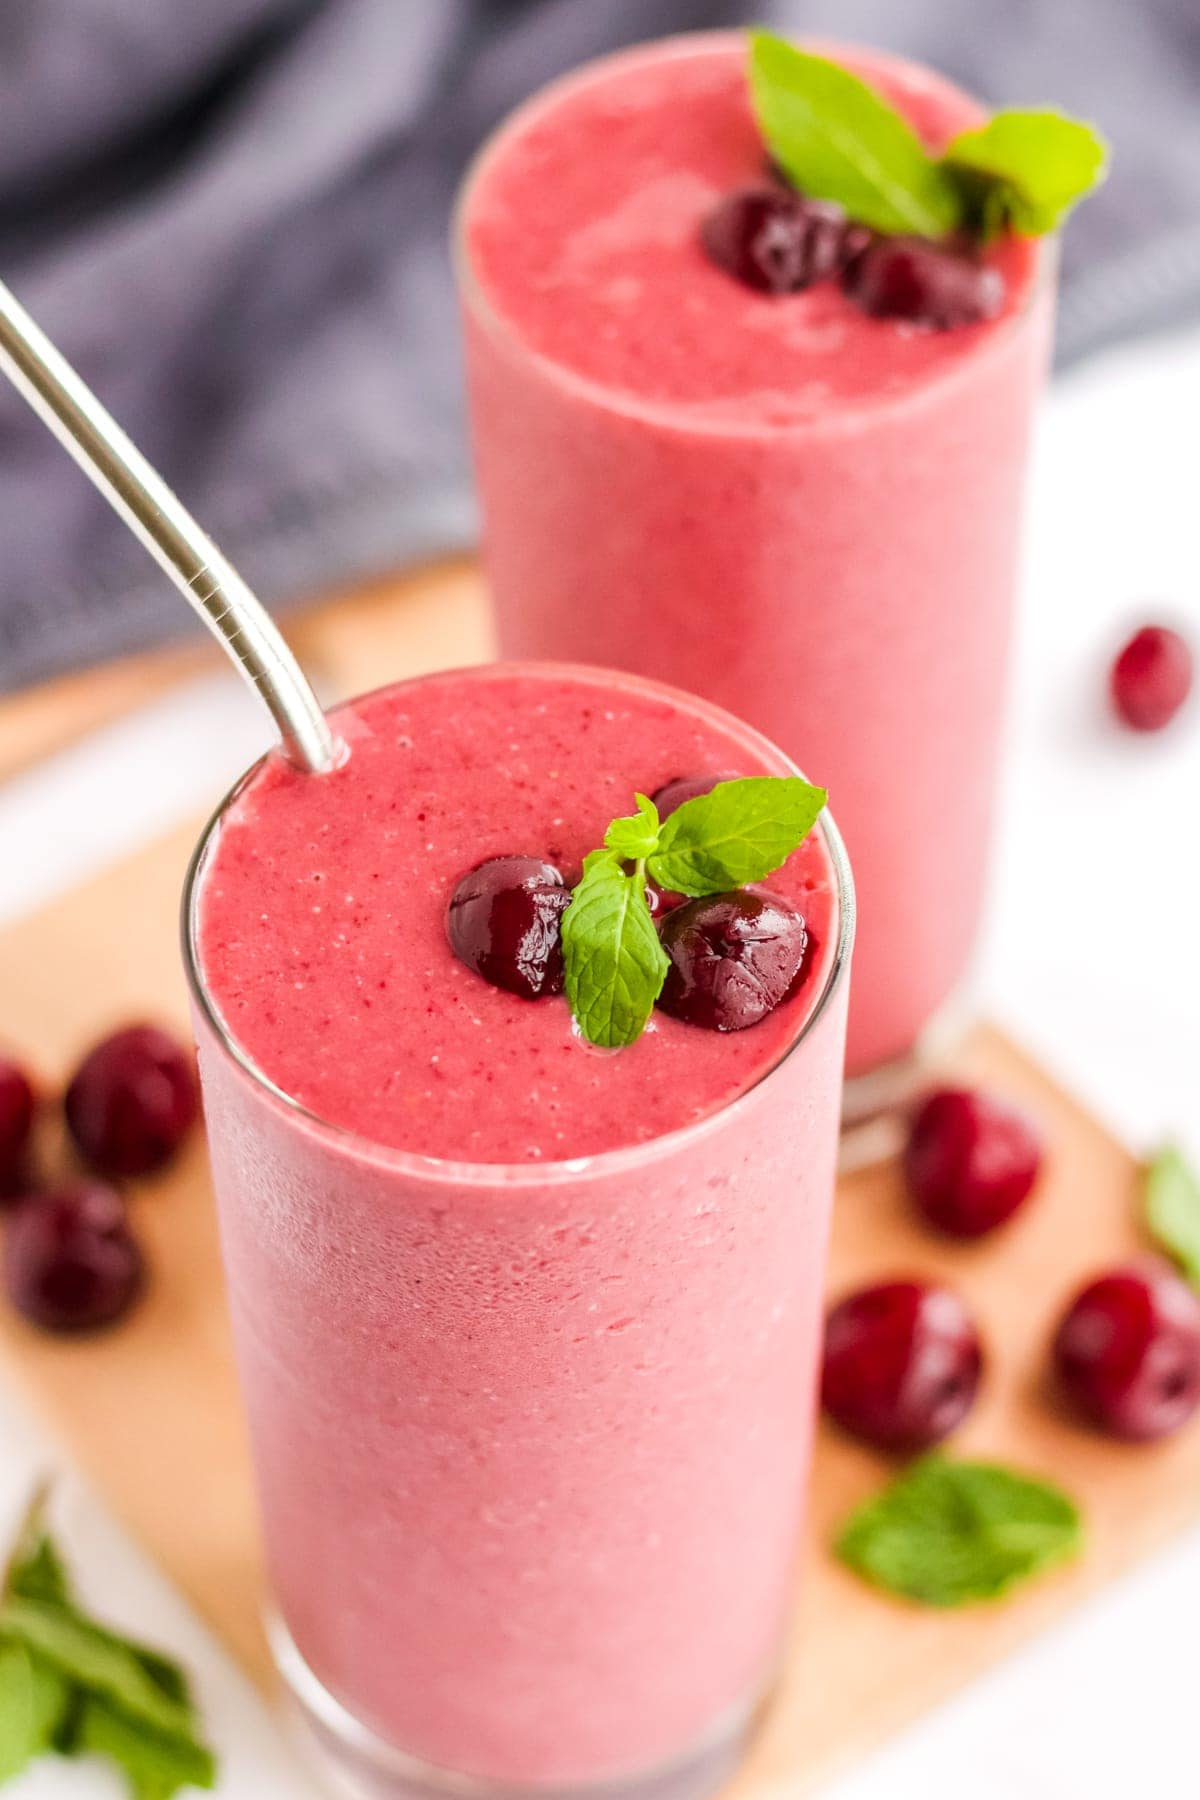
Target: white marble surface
(1092, 955)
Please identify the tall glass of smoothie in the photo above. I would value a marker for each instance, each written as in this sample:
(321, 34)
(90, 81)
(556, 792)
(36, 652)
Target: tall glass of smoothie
(805, 513)
(527, 1330)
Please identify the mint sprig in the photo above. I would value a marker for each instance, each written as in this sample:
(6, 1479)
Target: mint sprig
(946, 1533)
(1172, 1202)
(837, 139)
(70, 1685)
(614, 965)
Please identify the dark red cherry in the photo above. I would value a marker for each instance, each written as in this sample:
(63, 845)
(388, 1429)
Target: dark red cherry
(1128, 1351)
(970, 1161)
(902, 1364)
(504, 922)
(16, 1119)
(132, 1100)
(668, 799)
(733, 958)
(775, 240)
(911, 278)
(71, 1262)
(672, 794)
(1151, 678)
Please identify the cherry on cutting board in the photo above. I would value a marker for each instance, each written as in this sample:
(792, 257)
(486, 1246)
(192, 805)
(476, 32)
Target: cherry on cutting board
(902, 1364)
(733, 958)
(1127, 1351)
(1151, 678)
(16, 1119)
(504, 922)
(131, 1101)
(970, 1161)
(71, 1263)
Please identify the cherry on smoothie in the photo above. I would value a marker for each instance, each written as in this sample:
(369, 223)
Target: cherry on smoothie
(504, 922)
(71, 1262)
(672, 794)
(132, 1101)
(1127, 1351)
(910, 278)
(774, 240)
(733, 958)
(902, 1364)
(668, 798)
(970, 1161)
(1151, 678)
(16, 1118)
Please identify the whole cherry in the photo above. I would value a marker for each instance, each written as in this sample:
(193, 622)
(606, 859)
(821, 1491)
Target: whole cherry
(733, 958)
(504, 922)
(1127, 1352)
(71, 1263)
(16, 1119)
(902, 1364)
(970, 1161)
(1151, 678)
(131, 1101)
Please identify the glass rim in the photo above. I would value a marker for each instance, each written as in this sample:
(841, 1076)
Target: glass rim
(676, 414)
(552, 1171)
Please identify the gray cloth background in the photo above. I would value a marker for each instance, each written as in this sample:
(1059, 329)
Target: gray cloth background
(232, 216)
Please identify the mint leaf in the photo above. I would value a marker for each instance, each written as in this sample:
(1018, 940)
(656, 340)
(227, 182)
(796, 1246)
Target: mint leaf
(946, 1533)
(1026, 170)
(634, 838)
(92, 1658)
(614, 963)
(837, 139)
(741, 831)
(18, 1721)
(156, 1765)
(1172, 1200)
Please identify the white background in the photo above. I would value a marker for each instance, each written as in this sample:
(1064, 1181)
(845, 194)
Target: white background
(1091, 954)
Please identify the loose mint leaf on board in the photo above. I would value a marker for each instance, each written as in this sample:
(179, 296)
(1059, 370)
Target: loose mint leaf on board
(90, 1657)
(837, 139)
(18, 1719)
(946, 1533)
(614, 963)
(156, 1766)
(741, 831)
(634, 838)
(1172, 1202)
(1026, 170)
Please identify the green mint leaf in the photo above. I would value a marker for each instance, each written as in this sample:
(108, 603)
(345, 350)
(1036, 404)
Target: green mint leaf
(1026, 170)
(837, 139)
(92, 1658)
(156, 1765)
(946, 1533)
(19, 1740)
(614, 963)
(1172, 1201)
(36, 1571)
(741, 831)
(633, 839)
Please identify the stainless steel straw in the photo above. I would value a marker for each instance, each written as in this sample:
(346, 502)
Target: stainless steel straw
(145, 502)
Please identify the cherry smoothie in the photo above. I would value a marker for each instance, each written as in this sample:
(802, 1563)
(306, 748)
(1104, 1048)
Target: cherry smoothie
(805, 513)
(527, 1330)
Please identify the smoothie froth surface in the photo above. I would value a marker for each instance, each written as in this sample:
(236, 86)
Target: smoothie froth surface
(583, 232)
(322, 919)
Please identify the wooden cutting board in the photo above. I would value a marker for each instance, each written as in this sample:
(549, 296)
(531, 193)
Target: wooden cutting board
(150, 1411)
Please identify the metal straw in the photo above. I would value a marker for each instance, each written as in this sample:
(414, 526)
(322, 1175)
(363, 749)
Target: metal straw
(145, 502)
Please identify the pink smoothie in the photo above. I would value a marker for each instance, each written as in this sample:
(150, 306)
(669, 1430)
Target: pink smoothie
(804, 513)
(527, 1331)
